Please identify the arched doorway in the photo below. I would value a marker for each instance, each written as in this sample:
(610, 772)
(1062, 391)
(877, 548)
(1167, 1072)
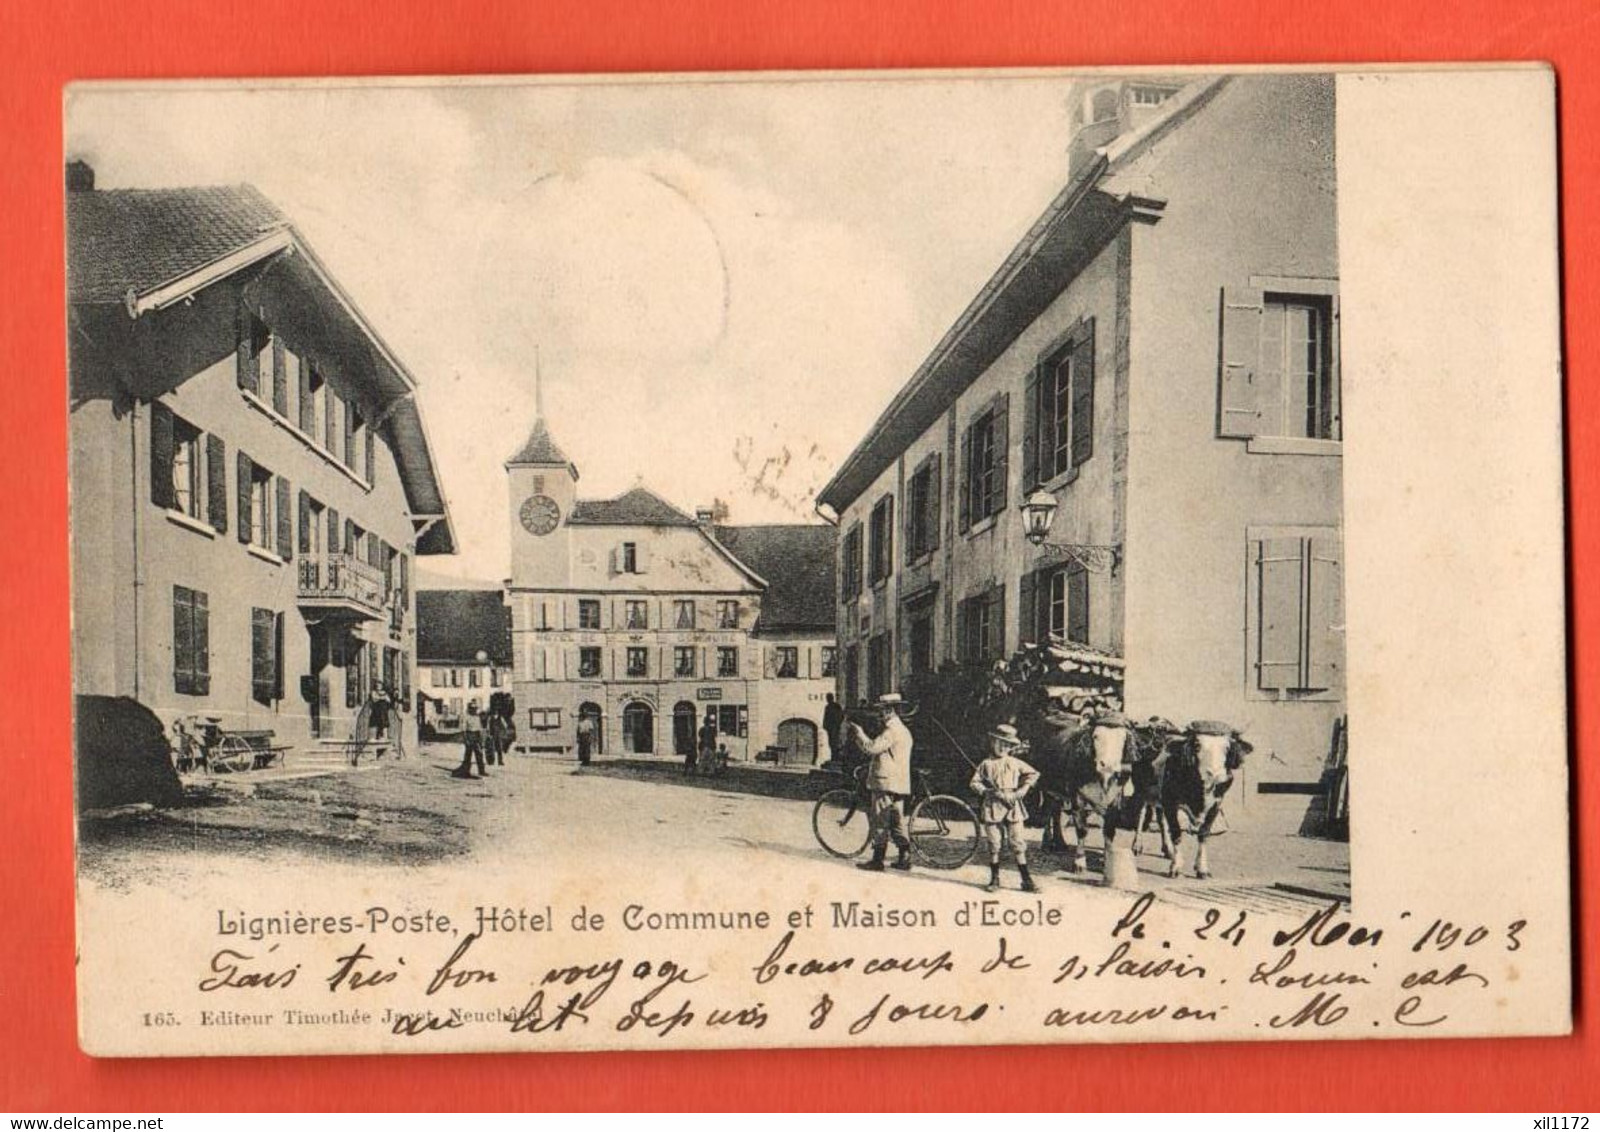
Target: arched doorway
(683, 728)
(592, 712)
(638, 728)
(799, 738)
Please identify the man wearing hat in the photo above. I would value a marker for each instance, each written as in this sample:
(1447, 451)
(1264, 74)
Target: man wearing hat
(1003, 780)
(889, 781)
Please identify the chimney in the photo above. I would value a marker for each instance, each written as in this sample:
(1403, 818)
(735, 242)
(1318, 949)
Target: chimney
(80, 177)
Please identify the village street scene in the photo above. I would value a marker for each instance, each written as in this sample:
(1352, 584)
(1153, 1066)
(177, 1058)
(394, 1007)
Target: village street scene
(853, 506)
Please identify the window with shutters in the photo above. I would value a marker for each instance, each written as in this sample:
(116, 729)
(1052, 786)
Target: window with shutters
(266, 656)
(880, 545)
(263, 530)
(630, 558)
(922, 509)
(1279, 375)
(786, 662)
(191, 642)
(727, 662)
(1063, 610)
(637, 615)
(589, 662)
(638, 660)
(494, 677)
(850, 565)
(683, 662)
(474, 678)
(313, 404)
(728, 614)
(312, 519)
(455, 677)
(1059, 430)
(982, 626)
(185, 468)
(683, 614)
(588, 613)
(984, 449)
(1295, 619)
(828, 657)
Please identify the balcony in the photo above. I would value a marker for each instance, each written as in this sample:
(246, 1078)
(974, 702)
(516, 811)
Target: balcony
(337, 587)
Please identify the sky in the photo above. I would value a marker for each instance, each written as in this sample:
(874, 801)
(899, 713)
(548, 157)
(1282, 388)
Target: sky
(721, 284)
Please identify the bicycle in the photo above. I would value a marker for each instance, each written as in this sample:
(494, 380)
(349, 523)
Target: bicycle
(943, 829)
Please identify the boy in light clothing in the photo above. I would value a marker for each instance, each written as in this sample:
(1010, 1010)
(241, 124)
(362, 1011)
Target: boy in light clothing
(1002, 781)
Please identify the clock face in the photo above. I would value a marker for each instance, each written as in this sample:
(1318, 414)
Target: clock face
(540, 514)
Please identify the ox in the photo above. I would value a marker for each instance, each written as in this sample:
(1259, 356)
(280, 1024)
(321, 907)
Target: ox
(1194, 773)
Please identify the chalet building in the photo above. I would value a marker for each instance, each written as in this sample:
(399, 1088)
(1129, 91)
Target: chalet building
(643, 618)
(1152, 380)
(463, 654)
(251, 481)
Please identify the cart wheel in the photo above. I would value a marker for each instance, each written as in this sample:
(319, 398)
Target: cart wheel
(841, 823)
(944, 831)
(232, 754)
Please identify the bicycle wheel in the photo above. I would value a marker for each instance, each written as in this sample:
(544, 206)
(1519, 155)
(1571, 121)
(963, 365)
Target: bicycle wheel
(841, 822)
(944, 832)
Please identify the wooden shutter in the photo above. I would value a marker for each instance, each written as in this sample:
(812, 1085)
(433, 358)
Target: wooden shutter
(405, 583)
(1031, 428)
(1077, 585)
(352, 545)
(246, 472)
(1324, 612)
(964, 483)
(1279, 570)
(908, 539)
(371, 457)
(963, 631)
(303, 398)
(1239, 402)
(245, 355)
(162, 439)
(1082, 408)
(201, 643)
(305, 523)
(182, 640)
(1028, 610)
(372, 549)
(333, 531)
(277, 656)
(285, 520)
(935, 499)
(888, 536)
(217, 483)
(280, 383)
(1002, 452)
(998, 619)
(330, 431)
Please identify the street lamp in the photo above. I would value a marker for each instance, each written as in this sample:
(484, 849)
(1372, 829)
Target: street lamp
(1039, 512)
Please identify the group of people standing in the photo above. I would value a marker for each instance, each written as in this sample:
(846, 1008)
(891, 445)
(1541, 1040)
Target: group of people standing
(486, 737)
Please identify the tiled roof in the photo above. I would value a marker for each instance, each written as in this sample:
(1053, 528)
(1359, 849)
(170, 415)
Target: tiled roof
(539, 448)
(453, 626)
(639, 507)
(797, 562)
(141, 238)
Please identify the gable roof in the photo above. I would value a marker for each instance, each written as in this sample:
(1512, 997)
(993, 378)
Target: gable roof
(136, 240)
(453, 626)
(797, 562)
(637, 507)
(541, 448)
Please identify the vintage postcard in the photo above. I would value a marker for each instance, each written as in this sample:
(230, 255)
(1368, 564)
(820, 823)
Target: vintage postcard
(781, 560)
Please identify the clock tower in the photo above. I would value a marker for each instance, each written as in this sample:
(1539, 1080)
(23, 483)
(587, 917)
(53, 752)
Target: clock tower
(543, 486)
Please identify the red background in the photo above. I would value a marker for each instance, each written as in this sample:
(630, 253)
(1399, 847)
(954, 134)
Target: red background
(45, 45)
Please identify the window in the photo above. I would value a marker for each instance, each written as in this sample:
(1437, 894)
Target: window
(922, 509)
(982, 626)
(266, 656)
(311, 527)
(439, 678)
(313, 403)
(186, 468)
(786, 662)
(733, 721)
(1055, 604)
(494, 677)
(683, 661)
(880, 554)
(920, 640)
(1149, 95)
(455, 677)
(260, 510)
(984, 445)
(850, 564)
(544, 719)
(630, 558)
(830, 661)
(1059, 430)
(727, 662)
(191, 642)
(588, 613)
(683, 614)
(265, 518)
(1280, 371)
(728, 614)
(354, 435)
(638, 615)
(879, 659)
(474, 678)
(638, 662)
(589, 662)
(1295, 622)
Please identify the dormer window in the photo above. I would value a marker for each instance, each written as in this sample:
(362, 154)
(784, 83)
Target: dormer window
(1149, 95)
(630, 558)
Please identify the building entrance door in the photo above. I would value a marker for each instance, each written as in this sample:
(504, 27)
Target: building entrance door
(638, 729)
(591, 712)
(683, 728)
(799, 738)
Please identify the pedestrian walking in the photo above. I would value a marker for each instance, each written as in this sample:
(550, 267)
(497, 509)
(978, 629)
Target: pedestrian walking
(705, 746)
(472, 748)
(1003, 781)
(495, 734)
(585, 739)
(888, 783)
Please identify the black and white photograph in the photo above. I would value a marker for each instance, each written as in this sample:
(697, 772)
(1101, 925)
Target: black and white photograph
(749, 560)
